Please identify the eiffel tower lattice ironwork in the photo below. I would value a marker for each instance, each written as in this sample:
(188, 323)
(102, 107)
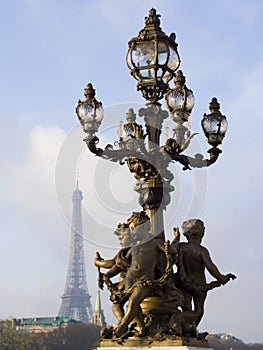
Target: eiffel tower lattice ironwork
(76, 299)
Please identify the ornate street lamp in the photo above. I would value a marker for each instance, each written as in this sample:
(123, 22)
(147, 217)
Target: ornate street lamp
(90, 112)
(214, 124)
(180, 100)
(153, 60)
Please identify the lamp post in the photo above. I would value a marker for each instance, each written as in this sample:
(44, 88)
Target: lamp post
(153, 60)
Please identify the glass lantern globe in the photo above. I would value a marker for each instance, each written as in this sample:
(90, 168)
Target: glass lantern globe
(180, 100)
(153, 58)
(214, 124)
(90, 112)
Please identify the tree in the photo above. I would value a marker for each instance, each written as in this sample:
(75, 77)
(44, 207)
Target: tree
(76, 336)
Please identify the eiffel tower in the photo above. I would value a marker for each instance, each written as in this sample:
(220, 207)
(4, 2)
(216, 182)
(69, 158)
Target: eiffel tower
(76, 299)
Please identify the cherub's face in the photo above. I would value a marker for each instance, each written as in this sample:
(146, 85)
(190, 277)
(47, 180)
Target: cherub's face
(124, 235)
(126, 241)
(138, 232)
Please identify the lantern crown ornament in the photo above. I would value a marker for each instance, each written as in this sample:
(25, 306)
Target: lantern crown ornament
(153, 58)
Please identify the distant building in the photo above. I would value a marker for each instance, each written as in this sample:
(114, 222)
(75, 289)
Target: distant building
(226, 336)
(98, 315)
(41, 324)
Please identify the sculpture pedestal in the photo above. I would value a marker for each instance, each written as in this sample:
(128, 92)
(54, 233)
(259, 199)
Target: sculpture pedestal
(120, 347)
(141, 343)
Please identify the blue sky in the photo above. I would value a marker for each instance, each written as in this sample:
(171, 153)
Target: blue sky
(50, 51)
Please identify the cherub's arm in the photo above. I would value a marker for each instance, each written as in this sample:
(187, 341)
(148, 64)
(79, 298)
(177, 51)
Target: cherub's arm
(100, 262)
(114, 270)
(212, 268)
(176, 239)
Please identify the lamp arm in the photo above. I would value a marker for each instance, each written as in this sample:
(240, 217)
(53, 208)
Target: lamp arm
(198, 160)
(92, 146)
(182, 159)
(214, 154)
(109, 153)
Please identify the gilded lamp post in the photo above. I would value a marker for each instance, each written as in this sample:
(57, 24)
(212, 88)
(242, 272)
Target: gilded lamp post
(153, 60)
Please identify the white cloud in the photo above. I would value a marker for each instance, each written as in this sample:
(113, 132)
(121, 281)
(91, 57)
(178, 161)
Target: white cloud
(29, 183)
(37, 240)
